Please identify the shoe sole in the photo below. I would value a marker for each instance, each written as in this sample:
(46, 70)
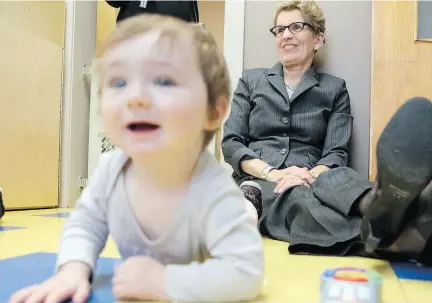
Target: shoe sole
(251, 183)
(2, 208)
(404, 160)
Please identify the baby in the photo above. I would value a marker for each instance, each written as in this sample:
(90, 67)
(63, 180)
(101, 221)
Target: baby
(180, 222)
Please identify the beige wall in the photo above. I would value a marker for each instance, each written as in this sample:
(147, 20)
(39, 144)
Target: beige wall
(212, 15)
(45, 19)
(106, 21)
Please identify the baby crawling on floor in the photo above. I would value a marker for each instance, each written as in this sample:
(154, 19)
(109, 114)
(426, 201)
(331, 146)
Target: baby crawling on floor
(180, 222)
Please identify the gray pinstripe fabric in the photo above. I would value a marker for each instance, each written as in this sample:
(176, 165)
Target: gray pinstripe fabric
(311, 128)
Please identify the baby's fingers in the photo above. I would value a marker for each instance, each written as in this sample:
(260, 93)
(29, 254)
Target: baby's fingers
(59, 295)
(82, 293)
(78, 294)
(39, 294)
(21, 295)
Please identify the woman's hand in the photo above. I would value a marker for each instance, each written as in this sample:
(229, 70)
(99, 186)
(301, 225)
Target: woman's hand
(302, 172)
(275, 175)
(289, 181)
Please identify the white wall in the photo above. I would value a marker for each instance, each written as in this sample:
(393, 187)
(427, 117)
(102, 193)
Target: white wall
(234, 43)
(80, 40)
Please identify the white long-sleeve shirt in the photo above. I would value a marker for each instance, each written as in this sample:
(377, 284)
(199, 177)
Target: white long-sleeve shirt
(213, 251)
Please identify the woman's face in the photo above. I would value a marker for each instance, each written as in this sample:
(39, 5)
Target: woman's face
(298, 48)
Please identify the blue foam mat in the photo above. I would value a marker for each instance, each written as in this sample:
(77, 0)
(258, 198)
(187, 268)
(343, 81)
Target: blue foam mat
(19, 272)
(411, 271)
(57, 215)
(6, 228)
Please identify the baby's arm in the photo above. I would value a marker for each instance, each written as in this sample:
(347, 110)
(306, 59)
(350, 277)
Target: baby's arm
(235, 271)
(82, 240)
(85, 233)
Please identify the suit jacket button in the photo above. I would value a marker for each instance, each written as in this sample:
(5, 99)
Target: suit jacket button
(283, 151)
(285, 120)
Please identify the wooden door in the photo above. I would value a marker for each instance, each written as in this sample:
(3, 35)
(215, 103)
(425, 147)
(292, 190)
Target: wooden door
(212, 15)
(32, 41)
(106, 21)
(402, 67)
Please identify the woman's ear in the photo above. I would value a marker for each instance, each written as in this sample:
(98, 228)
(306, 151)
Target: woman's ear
(320, 39)
(216, 114)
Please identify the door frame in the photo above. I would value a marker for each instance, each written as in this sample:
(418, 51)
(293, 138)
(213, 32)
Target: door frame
(80, 45)
(234, 32)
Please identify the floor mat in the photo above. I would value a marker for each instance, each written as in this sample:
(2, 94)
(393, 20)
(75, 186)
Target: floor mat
(57, 215)
(412, 271)
(7, 228)
(38, 267)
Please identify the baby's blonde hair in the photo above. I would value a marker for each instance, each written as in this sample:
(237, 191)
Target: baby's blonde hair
(211, 60)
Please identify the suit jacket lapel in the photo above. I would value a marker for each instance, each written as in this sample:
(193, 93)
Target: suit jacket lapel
(308, 80)
(275, 77)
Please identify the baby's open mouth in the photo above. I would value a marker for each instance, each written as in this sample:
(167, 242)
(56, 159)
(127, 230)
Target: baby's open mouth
(143, 127)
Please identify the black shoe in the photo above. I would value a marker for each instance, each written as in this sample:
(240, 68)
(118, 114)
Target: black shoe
(423, 223)
(253, 193)
(2, 208)
(404, 160)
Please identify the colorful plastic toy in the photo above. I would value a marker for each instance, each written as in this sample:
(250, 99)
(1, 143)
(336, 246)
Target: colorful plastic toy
(350, 285)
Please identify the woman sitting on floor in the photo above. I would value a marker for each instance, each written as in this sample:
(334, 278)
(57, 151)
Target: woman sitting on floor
(287, 139)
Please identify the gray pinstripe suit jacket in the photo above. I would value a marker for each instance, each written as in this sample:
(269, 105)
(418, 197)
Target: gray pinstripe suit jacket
(313, 127)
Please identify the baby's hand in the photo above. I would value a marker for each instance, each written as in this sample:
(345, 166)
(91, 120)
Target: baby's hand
(71, 282)
(139, 278)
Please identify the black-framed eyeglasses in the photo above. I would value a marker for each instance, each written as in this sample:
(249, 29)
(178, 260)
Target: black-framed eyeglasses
(294, 28)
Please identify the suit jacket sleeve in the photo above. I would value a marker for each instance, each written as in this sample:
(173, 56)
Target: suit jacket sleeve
(339, 129)
(236, 129)
(116, 4)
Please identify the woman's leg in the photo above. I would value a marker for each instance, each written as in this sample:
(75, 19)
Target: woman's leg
(253, 194)
(399, 206)
(415, 239)
(310, 226)
(327, 217)
(404, 160)
(299, 216)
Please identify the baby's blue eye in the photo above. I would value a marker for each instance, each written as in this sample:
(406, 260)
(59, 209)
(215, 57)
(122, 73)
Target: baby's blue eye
(120, 83)
(164, 82)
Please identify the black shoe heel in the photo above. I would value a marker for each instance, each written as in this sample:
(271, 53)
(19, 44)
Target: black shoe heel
(404, 160)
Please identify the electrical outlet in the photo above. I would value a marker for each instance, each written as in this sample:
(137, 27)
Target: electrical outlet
(82, 183)
(86, 69)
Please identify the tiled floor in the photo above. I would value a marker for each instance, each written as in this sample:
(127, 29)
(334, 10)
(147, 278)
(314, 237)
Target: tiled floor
(29, 240)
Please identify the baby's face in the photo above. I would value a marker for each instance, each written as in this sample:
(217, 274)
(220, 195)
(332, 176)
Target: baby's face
(154, 98)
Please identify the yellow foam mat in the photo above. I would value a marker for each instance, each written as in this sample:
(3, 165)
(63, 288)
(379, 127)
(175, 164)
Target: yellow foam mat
(289, 278)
